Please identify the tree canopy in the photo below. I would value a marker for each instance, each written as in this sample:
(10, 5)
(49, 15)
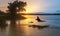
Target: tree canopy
(16, 6)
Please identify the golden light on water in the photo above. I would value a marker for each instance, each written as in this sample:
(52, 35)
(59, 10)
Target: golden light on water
(28, 20)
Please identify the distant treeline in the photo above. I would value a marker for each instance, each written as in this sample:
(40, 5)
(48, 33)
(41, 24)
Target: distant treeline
(41, 14)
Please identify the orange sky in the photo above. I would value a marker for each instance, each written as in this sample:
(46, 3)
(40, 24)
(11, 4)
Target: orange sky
(35, 5)
(31, 6)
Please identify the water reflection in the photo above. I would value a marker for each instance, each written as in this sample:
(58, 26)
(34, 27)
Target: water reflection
(22, 28)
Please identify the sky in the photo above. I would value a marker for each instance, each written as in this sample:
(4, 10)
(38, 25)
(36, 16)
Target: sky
(48, 6)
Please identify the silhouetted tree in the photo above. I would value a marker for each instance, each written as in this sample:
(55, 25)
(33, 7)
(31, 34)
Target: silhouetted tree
(2, 19)
(2, 12)
(14, 7)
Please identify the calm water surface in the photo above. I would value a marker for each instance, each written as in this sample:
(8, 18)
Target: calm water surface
(22, 28)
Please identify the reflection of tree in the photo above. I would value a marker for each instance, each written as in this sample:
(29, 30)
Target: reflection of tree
(13, 8)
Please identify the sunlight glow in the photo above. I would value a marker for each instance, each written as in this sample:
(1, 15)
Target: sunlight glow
(30, 8)
(33, 6)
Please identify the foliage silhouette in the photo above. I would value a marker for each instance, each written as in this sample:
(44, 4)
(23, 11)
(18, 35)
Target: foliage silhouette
(2, 19)
(14, 8)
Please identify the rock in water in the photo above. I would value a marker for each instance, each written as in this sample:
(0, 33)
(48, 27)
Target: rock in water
(38, 19)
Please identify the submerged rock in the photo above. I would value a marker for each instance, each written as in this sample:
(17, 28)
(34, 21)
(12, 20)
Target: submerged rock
(39, 20)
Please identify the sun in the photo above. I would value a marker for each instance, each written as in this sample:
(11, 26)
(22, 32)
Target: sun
(28, 9)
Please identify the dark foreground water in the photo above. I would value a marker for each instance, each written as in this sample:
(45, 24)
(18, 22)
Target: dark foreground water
(22, 28)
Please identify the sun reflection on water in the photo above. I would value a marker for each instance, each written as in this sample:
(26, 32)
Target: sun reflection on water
(31, 19)
(28, 20)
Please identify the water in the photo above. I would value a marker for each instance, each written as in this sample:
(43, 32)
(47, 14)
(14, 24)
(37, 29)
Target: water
(22, 28)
